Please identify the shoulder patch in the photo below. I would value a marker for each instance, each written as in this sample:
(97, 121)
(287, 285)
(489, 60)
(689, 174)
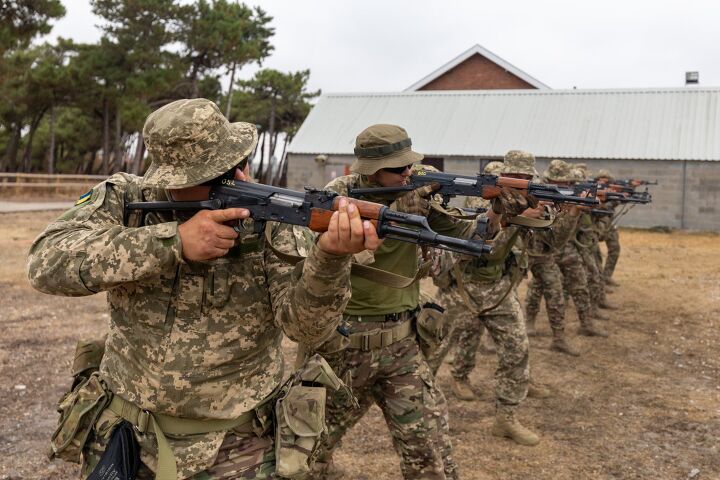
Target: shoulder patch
(84, 198)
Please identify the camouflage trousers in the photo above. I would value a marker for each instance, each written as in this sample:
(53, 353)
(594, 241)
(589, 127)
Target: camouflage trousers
(240, 456)
(546, 281)
(575, 281)
(507, 329)
(396, 378)
(612, 240)
(595, 280)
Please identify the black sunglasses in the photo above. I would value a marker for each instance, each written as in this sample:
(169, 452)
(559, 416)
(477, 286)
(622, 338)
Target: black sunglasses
(397, 170)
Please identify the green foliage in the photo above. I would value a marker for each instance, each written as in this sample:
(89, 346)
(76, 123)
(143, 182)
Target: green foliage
(69, 105)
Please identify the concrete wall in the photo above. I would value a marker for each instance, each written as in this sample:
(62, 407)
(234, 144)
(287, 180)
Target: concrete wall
(702, 186)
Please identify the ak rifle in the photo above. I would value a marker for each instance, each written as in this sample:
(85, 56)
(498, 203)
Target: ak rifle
(485, 186)
(313, 209)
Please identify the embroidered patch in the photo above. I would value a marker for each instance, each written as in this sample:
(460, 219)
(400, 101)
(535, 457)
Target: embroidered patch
(84, 198)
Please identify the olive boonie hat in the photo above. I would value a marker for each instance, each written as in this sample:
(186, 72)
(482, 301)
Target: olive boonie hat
(559, 171)
(517, 161)
(191, 142)
(383, 146)
(493, 168)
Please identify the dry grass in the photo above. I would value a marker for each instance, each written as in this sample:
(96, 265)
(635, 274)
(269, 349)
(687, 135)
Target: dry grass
(643, 404)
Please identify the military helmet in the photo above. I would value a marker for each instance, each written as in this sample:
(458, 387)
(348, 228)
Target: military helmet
(604, 173)
(191, 142)
(577, 174)
(584, 169)
(493, 168)
(519, 162)
(558, 171)
(383, 146)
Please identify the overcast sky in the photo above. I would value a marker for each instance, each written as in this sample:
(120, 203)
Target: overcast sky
(387, 45)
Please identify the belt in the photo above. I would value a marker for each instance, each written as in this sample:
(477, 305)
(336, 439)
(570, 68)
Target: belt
(381, 338)
(389, 317)
(161, 424)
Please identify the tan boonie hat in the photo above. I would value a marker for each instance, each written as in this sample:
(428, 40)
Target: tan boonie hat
(383, 146)
(519, 162)
(191, 142)
(559, 171)
(603, 173)
(493, 168)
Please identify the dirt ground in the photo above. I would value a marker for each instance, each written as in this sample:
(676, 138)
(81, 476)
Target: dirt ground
(642, 404)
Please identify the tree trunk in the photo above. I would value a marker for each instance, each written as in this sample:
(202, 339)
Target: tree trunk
(117, 159)
(193, 81)
(31, 136)
(51, 147)
(271, 133)
(281, 176)
(259, 170)
(230, 90)
(106, 137)
(10, 158)
(138, 159)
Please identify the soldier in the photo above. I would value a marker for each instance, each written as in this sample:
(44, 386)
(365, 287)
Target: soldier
(575, 276)
(543, 248)
(481, 294)
(383, 358)
(609, 233)
(197, 310)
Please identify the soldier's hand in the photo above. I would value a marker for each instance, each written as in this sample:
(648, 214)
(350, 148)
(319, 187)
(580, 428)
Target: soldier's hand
(510, 202)
(347, 233)
(416, 202)
(537, 212)
(205, 236)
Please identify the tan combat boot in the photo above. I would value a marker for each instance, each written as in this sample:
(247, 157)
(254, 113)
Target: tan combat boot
(596, 313)
(506, 425)
(590, 330)
(462, 390)
(559, 344)
(530, 324)
(535, 390)
(611, 282)
(607, 305)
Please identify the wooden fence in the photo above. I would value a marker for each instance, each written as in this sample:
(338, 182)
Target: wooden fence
(55, 187)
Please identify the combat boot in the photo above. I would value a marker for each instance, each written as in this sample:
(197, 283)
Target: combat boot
(506, 425)
(325, 471)
(590, 330)
(561, 345)
(462, 390)
(535, 390)
(607, 305)
(530, 325)
(611, 282)
(596, 313)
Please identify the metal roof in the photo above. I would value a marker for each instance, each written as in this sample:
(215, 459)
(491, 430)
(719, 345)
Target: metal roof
(484, 52)
(653, 124)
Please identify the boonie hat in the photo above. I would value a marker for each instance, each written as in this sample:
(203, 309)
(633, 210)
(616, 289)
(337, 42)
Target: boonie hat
(493, 168)
(383, 146)
(191, 142)
(559, 171)
(517, 161)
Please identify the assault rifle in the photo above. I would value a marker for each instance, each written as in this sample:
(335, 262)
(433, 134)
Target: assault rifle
(608, 195)
(313, 209)
(482, 185)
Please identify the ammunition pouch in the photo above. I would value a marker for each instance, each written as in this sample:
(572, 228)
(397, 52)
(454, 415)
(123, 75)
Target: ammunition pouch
(79, 410)
(431, 327)
(88, 355)
(300, 416)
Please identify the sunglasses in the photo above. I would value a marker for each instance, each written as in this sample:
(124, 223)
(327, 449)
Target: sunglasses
(398, 170)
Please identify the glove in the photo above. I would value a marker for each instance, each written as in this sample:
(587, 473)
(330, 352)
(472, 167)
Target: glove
(512, 203)
(415, 202)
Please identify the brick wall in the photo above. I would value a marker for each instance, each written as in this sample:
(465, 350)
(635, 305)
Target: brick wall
(476, 73)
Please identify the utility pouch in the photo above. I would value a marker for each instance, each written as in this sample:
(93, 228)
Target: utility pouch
(79, 410)
(88, 355)
(121, 458)
(431, 328)
(300, 416)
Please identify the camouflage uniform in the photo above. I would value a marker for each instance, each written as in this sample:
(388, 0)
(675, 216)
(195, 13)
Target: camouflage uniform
(196, 340)
(609, 234)
(392, 374)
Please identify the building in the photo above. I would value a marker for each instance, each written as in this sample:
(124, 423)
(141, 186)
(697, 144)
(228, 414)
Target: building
(671, 135)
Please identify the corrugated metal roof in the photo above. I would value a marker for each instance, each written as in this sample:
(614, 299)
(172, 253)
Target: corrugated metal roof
(657, 124)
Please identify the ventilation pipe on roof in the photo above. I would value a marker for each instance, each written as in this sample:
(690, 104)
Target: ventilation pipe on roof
(692, 78)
